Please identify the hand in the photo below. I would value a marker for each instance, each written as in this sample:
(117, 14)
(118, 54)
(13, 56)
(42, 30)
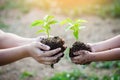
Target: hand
(82, 57)
(91, 47)
(19, 41)
(40, 53)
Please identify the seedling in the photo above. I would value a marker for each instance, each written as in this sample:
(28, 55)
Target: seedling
(75, 26)
(46, 24)
(53, 42)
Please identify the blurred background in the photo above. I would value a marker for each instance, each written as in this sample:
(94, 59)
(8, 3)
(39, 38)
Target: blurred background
(103, 18)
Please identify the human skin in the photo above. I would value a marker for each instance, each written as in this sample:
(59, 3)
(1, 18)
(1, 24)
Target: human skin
(14, 47)
(9, 40)
(106, 45)
(108, 50)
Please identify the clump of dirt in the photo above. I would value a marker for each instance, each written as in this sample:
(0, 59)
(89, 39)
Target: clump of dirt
(79, 46)
(54, 42)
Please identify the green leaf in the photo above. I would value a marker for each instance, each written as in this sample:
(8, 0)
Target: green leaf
(45, 24)
(47, 27)
(37, 23)
(76, 33)
(40, 31)
(68, 20)
(48, 18)
(26, 74)
(52, 22)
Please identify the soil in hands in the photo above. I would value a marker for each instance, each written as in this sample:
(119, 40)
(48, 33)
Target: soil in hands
(54, 42)
(78, 46)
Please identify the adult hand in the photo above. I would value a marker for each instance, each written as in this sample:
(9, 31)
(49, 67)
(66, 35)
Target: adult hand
(42, 54)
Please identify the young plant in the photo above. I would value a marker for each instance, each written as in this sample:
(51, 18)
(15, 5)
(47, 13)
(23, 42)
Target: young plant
(75, 26)
(53, 42)
(45, 24)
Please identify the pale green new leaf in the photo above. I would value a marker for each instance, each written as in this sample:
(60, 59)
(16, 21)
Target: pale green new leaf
(48, 18)
(40, 31)
(52, 22)
(76, 34)
(68, 20)
(37, 23)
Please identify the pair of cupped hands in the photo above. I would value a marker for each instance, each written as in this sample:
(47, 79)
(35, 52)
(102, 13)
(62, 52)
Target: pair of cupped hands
(42, 53)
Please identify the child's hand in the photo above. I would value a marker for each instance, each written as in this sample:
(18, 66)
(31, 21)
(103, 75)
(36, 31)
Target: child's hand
(82, 57)
(40, 53)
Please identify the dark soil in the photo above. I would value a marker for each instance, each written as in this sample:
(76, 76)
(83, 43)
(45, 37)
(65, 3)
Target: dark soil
(54, 42)
(78, 46)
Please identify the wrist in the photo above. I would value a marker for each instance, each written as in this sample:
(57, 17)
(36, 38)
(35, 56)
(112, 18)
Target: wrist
(25, 41)
(92, 47)
(25, 51)
(92, 57)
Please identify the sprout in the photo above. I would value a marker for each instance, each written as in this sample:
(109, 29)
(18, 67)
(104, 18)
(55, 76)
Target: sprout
(75, 26)
(45, 23)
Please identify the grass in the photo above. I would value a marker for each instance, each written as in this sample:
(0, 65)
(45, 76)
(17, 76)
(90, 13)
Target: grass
(107, 65)
(26, 74)
(73, 75)
(77, 75)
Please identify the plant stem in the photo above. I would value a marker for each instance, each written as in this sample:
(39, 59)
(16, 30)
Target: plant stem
(48, 34)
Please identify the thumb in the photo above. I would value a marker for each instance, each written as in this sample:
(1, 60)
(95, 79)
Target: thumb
(43, 46)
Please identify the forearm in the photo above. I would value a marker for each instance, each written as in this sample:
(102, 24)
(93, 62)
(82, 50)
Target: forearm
(12, 54)
(107, 44)
(109, 55)
(8, 40)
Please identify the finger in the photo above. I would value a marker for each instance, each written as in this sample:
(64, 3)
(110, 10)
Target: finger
(79, 52)
(76, 58)
(59, 55)
(42, 61)
(83, 61)
(52, 59)
(65, 46)
(76, 62)
(42, 46)
(63, 41)
(52, 52)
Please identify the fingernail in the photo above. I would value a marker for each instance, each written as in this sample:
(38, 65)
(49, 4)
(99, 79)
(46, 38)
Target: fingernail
(59, 48)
